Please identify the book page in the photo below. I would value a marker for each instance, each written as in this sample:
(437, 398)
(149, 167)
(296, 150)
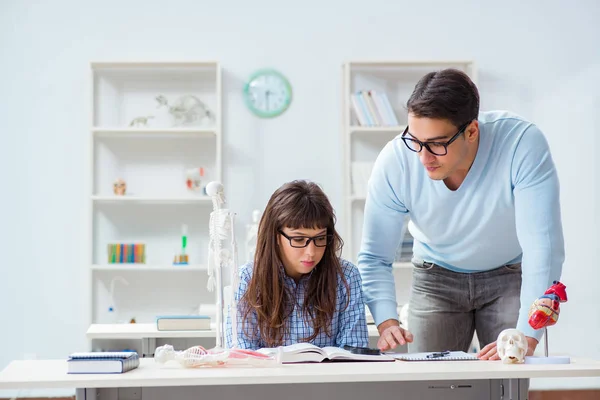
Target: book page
(303, 348)
(297, 348)
(336, 353)
(332, 352)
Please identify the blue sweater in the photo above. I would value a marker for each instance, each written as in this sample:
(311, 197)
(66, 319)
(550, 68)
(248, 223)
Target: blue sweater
(507, 210)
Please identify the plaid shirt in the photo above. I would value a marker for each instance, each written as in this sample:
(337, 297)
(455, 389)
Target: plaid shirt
(348, 326)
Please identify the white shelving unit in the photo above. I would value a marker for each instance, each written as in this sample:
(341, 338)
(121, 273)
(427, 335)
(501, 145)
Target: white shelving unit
(152, 160)
(362, 144)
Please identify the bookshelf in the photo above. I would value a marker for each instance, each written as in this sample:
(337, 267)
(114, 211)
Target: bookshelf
(152, 146)
(374, 96)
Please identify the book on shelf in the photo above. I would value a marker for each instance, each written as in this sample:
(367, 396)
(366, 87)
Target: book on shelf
(307, 352)
(373, 108)
(125, 253)
(102, 362)
(182, 322)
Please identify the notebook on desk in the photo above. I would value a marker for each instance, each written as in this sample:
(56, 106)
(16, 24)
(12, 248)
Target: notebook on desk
(435, 356)
(102, 362)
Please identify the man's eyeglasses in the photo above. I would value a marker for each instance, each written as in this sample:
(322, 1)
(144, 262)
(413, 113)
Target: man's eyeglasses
(435, 148)
(303, 241)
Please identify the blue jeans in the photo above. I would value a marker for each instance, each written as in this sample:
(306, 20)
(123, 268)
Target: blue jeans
(447, 307)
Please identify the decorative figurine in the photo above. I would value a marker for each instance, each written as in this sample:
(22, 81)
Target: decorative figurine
(512, 346)
(543, 313)
(119, 187)
(194, 179)
(182, 258)
(187, 110)
(140, 121)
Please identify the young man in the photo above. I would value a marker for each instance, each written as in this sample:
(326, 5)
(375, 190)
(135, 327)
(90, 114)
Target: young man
(482, 194)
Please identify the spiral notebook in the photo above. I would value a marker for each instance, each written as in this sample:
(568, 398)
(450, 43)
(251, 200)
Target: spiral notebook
(102, 362)
(102, 355)
(431, 356)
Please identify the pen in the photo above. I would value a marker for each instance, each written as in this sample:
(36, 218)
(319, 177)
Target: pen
(438, 355)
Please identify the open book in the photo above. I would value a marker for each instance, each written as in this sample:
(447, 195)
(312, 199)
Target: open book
(306, 352)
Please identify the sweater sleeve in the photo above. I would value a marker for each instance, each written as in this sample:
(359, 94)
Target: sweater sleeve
(538, 220)
(384, 217)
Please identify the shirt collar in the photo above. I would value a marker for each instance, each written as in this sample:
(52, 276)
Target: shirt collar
(289, 280)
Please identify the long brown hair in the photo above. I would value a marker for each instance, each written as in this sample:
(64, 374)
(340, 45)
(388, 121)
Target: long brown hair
(295, 205)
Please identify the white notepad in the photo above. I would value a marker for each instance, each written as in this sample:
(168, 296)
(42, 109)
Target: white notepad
(452, 356)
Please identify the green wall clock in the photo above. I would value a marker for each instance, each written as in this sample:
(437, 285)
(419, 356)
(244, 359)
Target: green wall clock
(267, 93)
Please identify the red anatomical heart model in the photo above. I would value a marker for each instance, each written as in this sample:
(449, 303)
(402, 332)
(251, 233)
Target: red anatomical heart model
(545, 310)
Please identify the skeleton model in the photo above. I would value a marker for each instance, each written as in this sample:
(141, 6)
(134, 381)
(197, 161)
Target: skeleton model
(512, 346)
(188, 109)
(222, 229)
(140, 121)
(198, 356)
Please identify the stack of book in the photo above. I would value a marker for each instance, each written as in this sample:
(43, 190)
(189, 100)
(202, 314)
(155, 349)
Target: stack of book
(122, 253)
(373, 108)
(182, 322)
(102, 362)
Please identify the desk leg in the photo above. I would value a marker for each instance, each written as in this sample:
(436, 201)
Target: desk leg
(148, 347)
(108, 394)
(85, 394)
(514, 389)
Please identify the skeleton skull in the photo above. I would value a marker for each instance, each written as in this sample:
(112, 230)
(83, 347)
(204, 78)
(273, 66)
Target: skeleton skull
(512, 346)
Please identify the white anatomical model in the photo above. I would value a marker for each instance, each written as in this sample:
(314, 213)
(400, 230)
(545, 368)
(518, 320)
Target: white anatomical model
(221, 229)
(198, 356)
(188, 109)
(512, 346)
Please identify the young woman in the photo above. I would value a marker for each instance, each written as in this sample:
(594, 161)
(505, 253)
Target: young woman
(298, 289)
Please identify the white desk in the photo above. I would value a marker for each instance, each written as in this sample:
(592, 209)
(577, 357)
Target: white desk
(141, 331)
(148, 334)
(463, 380)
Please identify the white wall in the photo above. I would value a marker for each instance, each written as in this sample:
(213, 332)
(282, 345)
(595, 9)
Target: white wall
(538, 58)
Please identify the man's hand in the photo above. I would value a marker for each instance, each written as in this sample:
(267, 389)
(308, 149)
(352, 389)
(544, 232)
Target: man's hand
(490, 352)
(391, 335)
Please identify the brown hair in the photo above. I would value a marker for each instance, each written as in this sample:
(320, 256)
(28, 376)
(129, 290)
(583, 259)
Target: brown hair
(447, 94)
(295, 205)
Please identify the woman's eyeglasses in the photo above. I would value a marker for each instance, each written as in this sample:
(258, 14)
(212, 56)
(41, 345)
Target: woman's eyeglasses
(303, 241)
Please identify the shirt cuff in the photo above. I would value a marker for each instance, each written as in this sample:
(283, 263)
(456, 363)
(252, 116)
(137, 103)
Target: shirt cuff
(383, 310)
(527, 330)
